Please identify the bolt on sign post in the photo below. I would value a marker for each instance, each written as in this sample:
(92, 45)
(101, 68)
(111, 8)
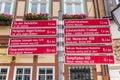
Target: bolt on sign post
(32, 37)
(86, 40)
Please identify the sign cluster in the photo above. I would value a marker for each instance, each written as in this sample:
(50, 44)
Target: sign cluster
(88, 42)
(32, 37)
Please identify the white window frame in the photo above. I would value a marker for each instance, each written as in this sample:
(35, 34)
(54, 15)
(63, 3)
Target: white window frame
(45, 68)
(8, 68)
(3, 5)
(23, 68)
(38, 5)
(73, 6)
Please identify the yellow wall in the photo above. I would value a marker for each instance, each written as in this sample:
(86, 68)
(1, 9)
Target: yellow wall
(5, 59)
(24, 59)
(98, 67)
(3, 51)
(20, 8)
(90, 9)
(99, 77)
(56, 8)
(101, 8)
(46, 59)
(19, 19)
(4, 30)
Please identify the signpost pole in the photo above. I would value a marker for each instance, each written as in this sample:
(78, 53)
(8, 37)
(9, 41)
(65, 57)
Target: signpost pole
(60, 46)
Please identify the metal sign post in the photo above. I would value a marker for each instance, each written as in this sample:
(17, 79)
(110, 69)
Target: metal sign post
(60, 46)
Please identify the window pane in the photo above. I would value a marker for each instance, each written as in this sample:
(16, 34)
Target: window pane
(77, 0)
(26, 77)
(77, 9)
(42, 77)
(34, 0)
(7, 8)
(68, 0)
(34, 8)
(2, 77)
(69, 9)
(42, 71)
(0, 7)
(3, 71)
(49, 71)
(43, 8)
(26, 71)
(19, 71)
(18, 77)
(43, 0)
(49, 77)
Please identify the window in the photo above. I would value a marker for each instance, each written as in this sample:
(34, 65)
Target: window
(74, 7)
(23, 73)
(38, 6)
(80, 73)
(4, 73)
(45, 73)
(117, 2)
(6, 6)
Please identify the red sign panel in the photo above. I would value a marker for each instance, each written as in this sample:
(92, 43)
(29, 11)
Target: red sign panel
(33, 32)
(34, 24)
(32, 50)
(89, 60)
(88, 49)
(88, 39)
(31, 41)
(86, 31)
(86, 22)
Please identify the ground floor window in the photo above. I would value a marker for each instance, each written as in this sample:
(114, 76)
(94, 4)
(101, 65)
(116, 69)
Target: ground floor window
(80, 73)
(45, 73)
(4, 73)
(23, 73)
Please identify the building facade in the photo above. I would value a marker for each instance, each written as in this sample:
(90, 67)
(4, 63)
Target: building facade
(45, 67)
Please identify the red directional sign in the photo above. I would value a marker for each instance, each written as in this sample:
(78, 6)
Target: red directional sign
(32, 50)
(88, 49)
(33, 32)
(88, 39)
(86, 31)
(22, 42)
(33, 24)
(87, 22)
(77, 60)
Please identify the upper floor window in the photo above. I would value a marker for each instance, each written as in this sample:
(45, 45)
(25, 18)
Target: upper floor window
(4, 73)
(45, 73)
(6, 6)
(74, 7)
(38, 6)
(117, 2)
(23, 73)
